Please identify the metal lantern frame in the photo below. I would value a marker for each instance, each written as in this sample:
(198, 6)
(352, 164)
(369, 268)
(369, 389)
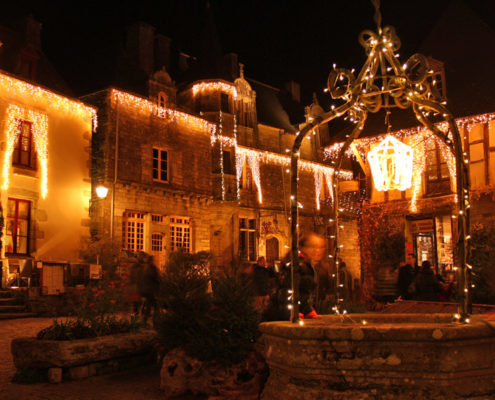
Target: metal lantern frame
(383, 83)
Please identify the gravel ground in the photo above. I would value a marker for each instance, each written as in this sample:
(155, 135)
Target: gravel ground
(142, 384)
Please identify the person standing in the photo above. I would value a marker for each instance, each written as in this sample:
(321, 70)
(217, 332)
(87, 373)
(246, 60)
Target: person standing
(311, 252)
(261, 281)
(426, 284)
(406, 276)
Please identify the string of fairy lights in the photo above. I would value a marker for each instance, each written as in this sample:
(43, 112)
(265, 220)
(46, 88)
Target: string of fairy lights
(39, 95)
(215, 86)
(149, 107)
(39, 121)
(421, 140)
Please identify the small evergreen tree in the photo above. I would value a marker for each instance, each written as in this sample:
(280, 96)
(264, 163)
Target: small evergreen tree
(218, 325)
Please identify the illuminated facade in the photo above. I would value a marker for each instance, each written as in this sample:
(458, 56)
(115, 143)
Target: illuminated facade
(210, 177)
(45, 179)
(425, 210)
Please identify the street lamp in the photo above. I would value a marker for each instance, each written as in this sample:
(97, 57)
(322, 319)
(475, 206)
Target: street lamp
(101, 191)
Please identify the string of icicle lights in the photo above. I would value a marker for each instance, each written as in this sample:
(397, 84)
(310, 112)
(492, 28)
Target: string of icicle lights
(421, 140)
(254, 157)
(215, 87)
(147, 106)
(39, 95)
(363, 144)
(39, 121)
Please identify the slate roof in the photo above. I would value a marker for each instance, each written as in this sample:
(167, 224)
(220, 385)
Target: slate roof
(275, 107)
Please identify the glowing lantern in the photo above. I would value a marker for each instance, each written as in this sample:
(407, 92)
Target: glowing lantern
(391, 164)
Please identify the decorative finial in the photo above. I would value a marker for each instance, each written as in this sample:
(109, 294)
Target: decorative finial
(378, 15)
(315, 99)
(241, 70)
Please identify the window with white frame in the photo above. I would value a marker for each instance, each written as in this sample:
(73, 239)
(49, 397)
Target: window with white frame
(133, 231)
(247, 239)
(160, 165)
(157, 242)
(180, 234)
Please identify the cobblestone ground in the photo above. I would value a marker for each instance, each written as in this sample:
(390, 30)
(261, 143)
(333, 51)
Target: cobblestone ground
(128, 385)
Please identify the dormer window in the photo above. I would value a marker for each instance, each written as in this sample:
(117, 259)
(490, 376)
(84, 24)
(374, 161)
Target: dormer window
(161, 99)
(436, 78)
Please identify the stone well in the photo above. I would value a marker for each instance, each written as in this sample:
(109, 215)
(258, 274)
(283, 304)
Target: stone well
(389, 356)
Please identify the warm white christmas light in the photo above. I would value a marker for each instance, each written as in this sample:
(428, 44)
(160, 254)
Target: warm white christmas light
(16, 114)
(391, 164)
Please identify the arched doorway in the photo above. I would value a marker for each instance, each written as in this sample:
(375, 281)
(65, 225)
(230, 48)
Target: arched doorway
(272, 253)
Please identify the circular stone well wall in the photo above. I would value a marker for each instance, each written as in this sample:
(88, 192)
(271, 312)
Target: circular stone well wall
(389, 356)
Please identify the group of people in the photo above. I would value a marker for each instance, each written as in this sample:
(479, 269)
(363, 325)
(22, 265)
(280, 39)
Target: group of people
(422, 283)
(315, 281)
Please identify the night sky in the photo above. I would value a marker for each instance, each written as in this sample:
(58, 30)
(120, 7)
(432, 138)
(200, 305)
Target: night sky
(276, 40)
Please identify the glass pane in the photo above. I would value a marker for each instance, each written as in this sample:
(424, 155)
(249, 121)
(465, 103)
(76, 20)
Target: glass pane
(163, 175)
(10, 226)
(155, 153)
(444, 170)
(164, 155)
(252, 224)
(23, 209)
(24, 158)
(22, 227)
(242, 223)
(155, 173)
(22, 244)
(11, 208)
(163, 165)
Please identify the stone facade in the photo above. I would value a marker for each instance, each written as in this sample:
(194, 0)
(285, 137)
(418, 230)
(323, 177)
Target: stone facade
(205, 184)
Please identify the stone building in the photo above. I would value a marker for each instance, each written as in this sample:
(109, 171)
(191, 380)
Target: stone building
(193, 167)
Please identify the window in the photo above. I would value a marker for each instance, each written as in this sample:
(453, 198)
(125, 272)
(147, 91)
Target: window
(160, 165)
(24, 154)
(180, 234)
(133, 231)
(162, 99)
(227, 163)
(246, 181)
(224, 102)
(18, 221)
(247, 239)
(157, 218)
(157, 242)
(437, 171)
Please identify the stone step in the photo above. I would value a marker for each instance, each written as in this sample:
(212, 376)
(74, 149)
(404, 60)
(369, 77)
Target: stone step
(17, 315)
(5, 294)
(11, 309)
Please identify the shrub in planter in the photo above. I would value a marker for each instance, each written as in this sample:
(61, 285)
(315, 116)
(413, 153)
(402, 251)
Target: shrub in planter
(210, 319)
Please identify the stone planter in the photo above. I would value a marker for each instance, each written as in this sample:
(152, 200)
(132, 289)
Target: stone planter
(393, 356)
(181, 374)
(81, 358)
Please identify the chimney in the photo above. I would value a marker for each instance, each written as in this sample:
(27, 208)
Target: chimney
(32, 31)
(231, 64)
(140, 45)
(162, 52)
(294, 90)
